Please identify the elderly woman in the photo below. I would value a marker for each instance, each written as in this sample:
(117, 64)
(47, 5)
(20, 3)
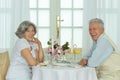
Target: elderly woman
(27, 52)
(104, 55)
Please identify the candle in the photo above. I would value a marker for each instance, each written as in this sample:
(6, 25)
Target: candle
(58, 26)
(52, 45)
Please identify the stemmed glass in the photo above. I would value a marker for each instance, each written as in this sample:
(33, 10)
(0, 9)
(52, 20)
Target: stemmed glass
(76, 52)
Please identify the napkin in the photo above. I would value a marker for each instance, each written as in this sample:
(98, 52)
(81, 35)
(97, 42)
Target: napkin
(42, 64)
(76, 65)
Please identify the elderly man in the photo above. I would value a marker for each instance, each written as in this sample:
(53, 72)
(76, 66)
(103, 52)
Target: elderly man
(103, 55)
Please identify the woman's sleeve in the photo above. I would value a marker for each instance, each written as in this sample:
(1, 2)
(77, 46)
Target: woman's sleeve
(22, 44)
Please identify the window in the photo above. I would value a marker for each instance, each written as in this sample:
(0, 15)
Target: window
(44, 14)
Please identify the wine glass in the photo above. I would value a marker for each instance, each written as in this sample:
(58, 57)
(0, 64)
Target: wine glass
(76, 52)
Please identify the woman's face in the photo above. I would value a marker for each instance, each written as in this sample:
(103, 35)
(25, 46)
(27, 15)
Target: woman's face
(95, 30)
(29, 34)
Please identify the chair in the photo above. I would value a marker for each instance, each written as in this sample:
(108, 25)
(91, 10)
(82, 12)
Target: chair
(4, 64)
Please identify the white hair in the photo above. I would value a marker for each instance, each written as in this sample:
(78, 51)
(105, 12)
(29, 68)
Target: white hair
(23, 28)
(97, 20)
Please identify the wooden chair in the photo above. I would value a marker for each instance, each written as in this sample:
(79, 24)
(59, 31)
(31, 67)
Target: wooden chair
(4, 64)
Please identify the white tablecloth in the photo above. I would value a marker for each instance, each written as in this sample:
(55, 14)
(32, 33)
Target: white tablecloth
(63, 73)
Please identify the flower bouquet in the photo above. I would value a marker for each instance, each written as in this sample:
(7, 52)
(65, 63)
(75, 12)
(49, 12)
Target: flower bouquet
(56, 50)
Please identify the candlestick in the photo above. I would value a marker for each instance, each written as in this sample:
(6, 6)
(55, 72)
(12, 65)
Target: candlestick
(52, 42)
(51, 56)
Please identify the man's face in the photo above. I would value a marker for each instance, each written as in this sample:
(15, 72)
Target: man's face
(95, 31)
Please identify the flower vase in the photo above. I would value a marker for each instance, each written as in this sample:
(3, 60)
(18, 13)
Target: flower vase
(49, 57)
(60, 58)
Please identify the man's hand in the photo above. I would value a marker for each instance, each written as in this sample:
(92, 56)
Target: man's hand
(83, 62)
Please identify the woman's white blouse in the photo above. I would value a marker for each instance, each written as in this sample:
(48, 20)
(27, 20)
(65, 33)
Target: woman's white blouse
(19, 68)
(20, 45)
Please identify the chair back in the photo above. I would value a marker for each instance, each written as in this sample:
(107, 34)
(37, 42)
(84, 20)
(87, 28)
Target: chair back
(4, 63)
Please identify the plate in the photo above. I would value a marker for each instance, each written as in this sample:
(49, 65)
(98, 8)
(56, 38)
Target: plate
(61, 64)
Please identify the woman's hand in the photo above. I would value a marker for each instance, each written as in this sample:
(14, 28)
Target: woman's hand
(39, 51)
(36, 40)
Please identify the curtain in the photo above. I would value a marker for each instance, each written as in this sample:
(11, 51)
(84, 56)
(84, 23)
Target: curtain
(109, 12)
(12, 13)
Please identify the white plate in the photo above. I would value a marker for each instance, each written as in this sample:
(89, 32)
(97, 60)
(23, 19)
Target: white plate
(61, 64)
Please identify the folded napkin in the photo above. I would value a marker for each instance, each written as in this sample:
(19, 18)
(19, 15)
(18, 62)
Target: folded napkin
(75, 65)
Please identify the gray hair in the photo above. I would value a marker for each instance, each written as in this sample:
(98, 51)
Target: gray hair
(23, 27)
(99, 21)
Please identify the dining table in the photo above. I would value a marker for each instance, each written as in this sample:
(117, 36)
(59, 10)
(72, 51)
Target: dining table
(63, 72)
